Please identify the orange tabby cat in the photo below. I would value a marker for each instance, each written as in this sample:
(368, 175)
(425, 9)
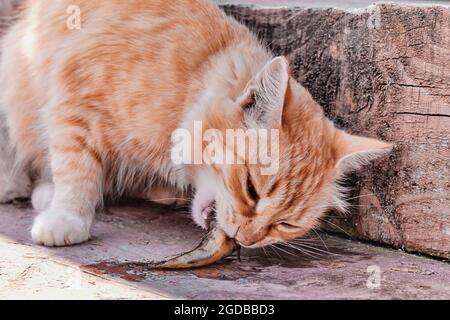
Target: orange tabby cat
(93, 90)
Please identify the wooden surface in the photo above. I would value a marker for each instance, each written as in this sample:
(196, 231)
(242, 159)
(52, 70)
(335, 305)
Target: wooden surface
(382, 72)
(112, 265)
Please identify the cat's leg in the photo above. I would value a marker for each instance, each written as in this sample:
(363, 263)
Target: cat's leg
(77, 170)
(42, 196)
(43, 190)
(15, 182)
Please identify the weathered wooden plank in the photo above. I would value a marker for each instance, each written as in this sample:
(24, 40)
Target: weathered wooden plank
(382, 71)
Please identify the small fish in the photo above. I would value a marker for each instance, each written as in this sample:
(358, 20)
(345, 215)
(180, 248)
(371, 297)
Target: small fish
(215, 246)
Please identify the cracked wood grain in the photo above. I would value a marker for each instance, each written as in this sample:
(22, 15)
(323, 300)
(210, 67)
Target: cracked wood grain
(424, 114)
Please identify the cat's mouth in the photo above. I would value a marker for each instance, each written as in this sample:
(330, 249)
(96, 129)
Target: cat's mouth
(208, 214)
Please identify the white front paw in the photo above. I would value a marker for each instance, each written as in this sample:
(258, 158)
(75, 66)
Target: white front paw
(59, 227)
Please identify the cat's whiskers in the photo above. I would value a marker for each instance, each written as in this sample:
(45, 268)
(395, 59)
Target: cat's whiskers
(324, 244)
(303, 245)
(283, 250)
(336, 226)
(301, 250)
(265, 252)
(273, 247)
(359, 196)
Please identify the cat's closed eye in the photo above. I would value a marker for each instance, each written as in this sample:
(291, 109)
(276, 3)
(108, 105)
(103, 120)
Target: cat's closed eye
(251, 190)
(287, 226)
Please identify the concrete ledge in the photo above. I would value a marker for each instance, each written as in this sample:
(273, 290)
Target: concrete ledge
(112, 265)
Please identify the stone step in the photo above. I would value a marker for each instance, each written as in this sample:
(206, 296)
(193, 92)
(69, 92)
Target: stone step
(110, 266)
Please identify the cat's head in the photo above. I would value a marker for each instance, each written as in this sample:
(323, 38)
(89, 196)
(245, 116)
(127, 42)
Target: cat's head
(257, 208)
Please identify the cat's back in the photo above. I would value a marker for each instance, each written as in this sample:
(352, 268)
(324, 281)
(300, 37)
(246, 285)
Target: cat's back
(126, 61)
(65, 27)
(73, 43)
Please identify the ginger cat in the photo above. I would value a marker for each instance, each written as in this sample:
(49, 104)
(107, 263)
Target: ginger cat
(91, 109)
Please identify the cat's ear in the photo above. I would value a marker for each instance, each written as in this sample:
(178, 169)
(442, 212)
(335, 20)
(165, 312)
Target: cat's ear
(265, 96)
(355, 151)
